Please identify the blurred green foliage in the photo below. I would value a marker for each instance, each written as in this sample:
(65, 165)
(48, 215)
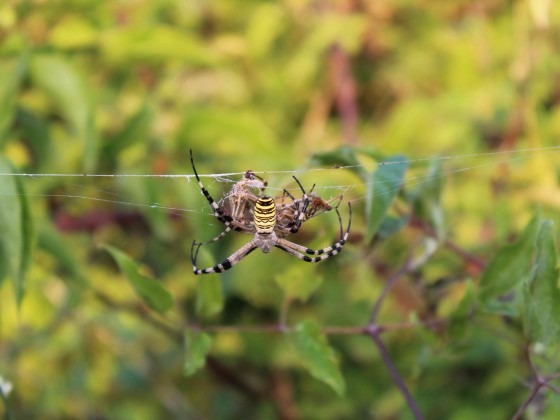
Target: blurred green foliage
(100, 314)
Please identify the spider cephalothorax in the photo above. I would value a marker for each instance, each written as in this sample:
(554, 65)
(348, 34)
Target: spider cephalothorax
(264, 222)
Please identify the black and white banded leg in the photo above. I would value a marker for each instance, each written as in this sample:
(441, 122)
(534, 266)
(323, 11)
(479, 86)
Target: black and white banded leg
(301, 252)
(224, 265)
(300, 213)
(218, 211)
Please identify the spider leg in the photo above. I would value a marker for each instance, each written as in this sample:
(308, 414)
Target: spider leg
(300, 214)
(324, 253)
(282, 207)
(217, 237)
(219, 213)
(224, 265)
(335, 250)
(289, 194)
(245, 228)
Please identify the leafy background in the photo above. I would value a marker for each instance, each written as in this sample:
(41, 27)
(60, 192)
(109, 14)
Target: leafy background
(444, 302)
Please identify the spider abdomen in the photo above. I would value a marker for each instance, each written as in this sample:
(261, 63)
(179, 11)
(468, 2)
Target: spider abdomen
(264, 215)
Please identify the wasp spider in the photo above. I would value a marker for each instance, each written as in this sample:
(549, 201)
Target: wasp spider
(264, 226)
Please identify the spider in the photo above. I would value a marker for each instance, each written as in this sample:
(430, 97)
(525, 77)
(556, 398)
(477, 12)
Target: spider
(267, 232)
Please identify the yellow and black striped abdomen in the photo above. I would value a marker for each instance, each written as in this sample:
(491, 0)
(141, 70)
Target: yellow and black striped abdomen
(264, 215)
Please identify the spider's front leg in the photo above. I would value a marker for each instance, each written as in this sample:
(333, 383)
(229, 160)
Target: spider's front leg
(218, 211)
(299, 214)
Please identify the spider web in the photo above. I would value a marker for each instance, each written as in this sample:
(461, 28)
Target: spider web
(128, 191)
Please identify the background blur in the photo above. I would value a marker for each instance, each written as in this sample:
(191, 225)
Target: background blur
(130, 86)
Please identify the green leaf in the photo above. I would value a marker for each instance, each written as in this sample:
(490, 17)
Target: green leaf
(426, 198)
(391, 225)
(343, 156)
(510, 265)
(49, 240)
(11, 74)
(136, 129)
(35, 131)
(542, 296)
(385, 183)
(460, 316)
(426, 335)
(156, 43)
(209, 299)
(197, 346)
(69, 92)
(264, 27)
(16, 229)
(151, 291)
(318, 357)
(298, 284)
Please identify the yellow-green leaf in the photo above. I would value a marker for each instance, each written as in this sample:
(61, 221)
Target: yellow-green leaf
(11, 72)
(209, 299)
(197, 346)
(68, 91)
(510, 265)
(542, 296)
(16, 229)
(298, 284)
(318, 357)
(384, 184)
(151, 291)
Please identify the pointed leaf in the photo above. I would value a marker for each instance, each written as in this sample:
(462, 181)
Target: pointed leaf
(318, 357)
(69, 92)
(343, 156)
(11, 72)
(426, 198)
(16, 229)
(35, 131)
(209, 299)
(135, 130)
(510, 265)
(391, 225)
(542, 296)
(50, 241)
(297, 284)
(385, 183)
(197, 346)
(151, 291)
(460, 316)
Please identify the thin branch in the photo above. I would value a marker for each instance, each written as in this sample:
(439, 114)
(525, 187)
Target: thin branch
(448, 243)
(538, 383)
(553, 388)
(248, 329)
(428, 323)
(388, 286)
(374, 334)
(528, 401)
(553, 377)
(328, 330)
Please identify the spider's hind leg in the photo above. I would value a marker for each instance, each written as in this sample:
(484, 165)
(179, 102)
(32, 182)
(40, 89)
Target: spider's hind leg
(224, 265)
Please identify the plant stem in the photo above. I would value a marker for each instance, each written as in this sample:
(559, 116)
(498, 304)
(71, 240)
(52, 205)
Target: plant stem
(374, 334)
